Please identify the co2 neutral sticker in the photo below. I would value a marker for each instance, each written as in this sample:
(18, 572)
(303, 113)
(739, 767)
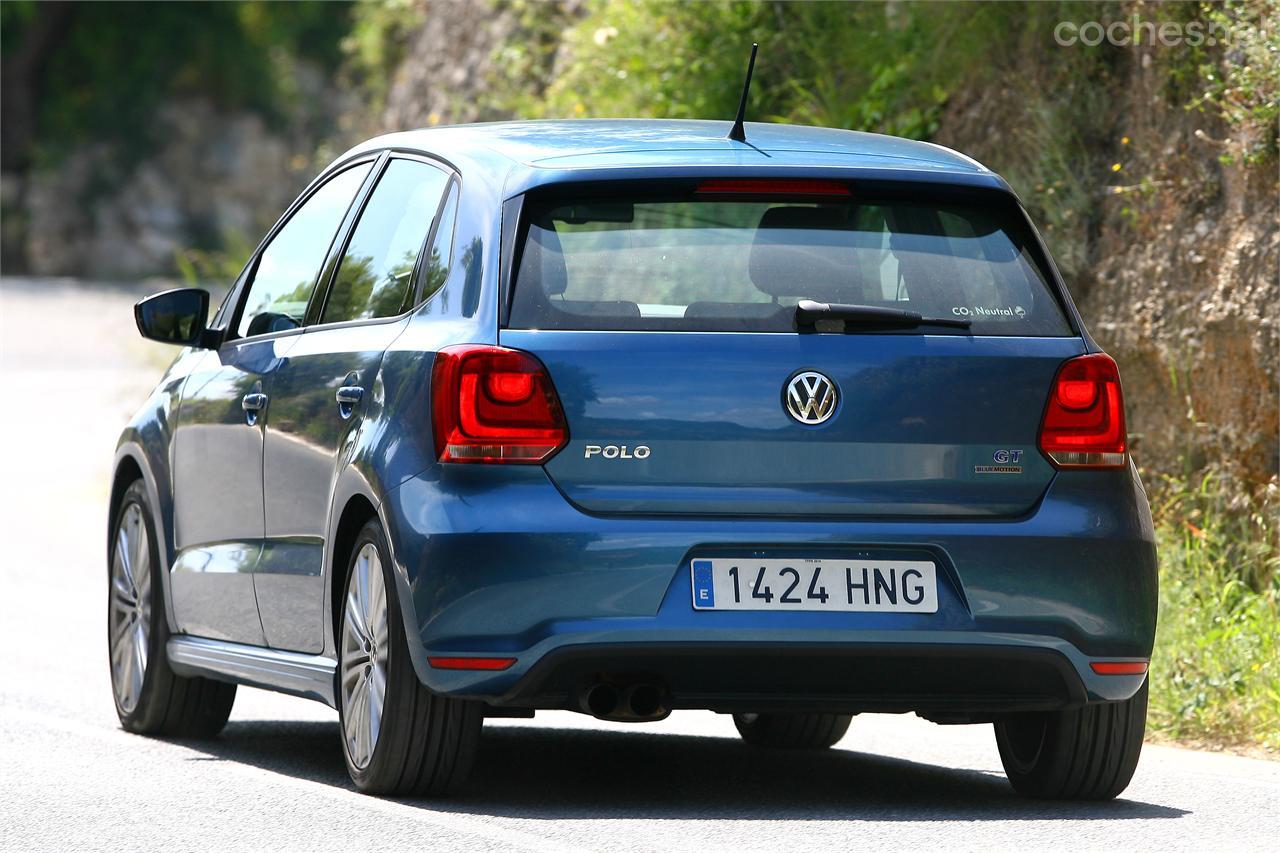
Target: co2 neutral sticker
(983, 311)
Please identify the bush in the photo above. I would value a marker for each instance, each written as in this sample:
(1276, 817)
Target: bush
(1215, 673)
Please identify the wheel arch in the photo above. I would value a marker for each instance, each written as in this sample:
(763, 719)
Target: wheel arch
(358, 511)
(127, 471)
(130, 465)
(357, 501)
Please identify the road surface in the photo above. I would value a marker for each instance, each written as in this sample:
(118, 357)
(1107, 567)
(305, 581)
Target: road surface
(74, 370)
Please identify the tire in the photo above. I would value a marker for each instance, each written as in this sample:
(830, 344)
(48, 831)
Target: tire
(1087, 753)
(792, 731)
(150, 698)
(405, 741)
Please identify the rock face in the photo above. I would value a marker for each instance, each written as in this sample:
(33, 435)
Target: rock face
(1190, 310)
(1174, 262)
(444, 75)
(447, 74)
(213, 175)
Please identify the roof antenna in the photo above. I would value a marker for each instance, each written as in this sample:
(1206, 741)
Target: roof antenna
(737, 132)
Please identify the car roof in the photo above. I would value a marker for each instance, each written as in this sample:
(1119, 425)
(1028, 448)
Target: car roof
(528, 153)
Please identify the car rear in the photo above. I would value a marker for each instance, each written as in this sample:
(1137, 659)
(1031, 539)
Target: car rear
(820, 445)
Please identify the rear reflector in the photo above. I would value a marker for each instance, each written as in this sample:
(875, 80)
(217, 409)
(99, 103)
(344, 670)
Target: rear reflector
(1119, 667)
(471, 663)
(492, 404)
(1083, 424)
(774, 187)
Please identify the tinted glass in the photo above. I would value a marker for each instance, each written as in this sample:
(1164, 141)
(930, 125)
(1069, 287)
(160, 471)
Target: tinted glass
(742, 265)
(375, 277)
(290, 264)
(438, 262)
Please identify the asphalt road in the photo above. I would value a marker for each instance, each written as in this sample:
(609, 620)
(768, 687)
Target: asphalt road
(73, 371)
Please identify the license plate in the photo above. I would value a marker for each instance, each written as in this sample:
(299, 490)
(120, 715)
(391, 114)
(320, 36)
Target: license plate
(879, 586)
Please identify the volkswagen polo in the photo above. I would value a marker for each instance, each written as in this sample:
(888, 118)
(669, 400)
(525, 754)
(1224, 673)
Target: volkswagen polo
(624, 417)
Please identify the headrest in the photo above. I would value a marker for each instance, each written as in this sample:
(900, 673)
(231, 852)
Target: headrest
(544, 259)
(805, 251)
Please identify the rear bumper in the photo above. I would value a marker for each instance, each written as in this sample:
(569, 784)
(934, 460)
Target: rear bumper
(498, 563)
(933, 678)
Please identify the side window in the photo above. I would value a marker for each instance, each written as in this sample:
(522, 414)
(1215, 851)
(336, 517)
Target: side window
(290, 264)
(375, 275)
(436, 268)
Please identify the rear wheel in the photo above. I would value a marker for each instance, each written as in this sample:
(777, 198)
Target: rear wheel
(792, 731)
(1086, 753)
(398, 737)
(150, 698)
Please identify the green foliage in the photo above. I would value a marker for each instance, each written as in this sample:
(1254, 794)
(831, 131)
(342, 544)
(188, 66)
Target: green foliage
(1216, 668)
(857, 66)
(15, 17)
(219, 268)
(1242, 84)
(119, 61)
(522, 68)
(642, 60)
(376, 44)
(887, 67)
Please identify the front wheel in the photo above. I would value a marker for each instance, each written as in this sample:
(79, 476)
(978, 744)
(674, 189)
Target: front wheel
(398, 737)
(1086, 753)
(792, 731)
(150, 697)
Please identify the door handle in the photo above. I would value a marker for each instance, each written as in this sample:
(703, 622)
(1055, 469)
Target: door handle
(348, 397)
(254, 402)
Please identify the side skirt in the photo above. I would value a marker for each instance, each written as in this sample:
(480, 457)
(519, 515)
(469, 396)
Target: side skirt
(308, 676)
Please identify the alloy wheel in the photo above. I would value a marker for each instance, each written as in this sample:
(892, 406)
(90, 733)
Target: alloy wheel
(130, 622)
(363, 665)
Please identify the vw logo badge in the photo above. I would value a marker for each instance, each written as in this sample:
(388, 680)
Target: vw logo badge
(810, 398)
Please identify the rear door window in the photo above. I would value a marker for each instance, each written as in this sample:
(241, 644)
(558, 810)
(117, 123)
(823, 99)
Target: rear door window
(376, 275)
(694, 261)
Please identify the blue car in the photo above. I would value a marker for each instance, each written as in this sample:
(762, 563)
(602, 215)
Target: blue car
(624, 417)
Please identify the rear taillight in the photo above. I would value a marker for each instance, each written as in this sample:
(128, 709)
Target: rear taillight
(492, 404)
(1083, 424)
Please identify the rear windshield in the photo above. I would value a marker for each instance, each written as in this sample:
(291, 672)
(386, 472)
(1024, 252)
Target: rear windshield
(741, 262)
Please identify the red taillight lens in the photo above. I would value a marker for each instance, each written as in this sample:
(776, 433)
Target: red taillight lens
(488, 664)
(1119, 667)
(492, 404)
(751, 186)
(1083, 425)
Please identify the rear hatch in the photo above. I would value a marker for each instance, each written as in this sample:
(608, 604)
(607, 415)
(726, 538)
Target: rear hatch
(667, 319)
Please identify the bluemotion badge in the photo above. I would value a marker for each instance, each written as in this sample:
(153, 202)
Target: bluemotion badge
(1005, 462)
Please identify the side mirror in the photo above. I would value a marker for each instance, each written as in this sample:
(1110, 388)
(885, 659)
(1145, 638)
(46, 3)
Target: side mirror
(175, 317)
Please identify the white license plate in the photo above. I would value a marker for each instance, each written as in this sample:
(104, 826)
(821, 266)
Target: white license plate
(879, 586)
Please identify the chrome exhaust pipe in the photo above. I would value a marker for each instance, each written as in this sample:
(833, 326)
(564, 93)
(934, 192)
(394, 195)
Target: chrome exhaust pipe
(644, 702)
(600, 700)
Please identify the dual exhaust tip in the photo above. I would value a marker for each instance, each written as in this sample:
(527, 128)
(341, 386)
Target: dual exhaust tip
(633, 703)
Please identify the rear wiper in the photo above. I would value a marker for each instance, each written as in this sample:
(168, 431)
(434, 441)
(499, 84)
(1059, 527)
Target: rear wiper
(808, 313)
